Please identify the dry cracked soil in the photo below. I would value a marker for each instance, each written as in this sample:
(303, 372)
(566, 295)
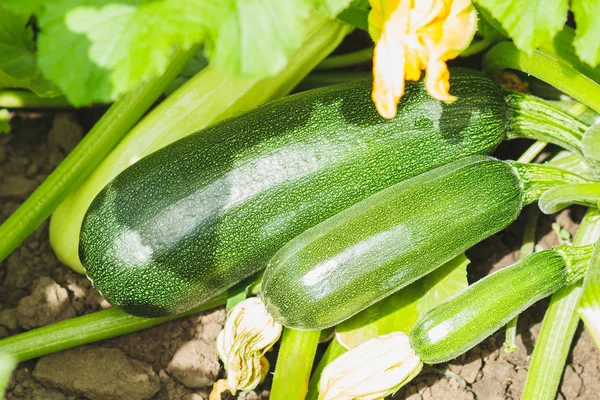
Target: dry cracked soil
(178, 360)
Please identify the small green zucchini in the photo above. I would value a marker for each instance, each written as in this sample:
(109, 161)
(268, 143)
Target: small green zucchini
(196, 217)
(383, 243)
(464, 320)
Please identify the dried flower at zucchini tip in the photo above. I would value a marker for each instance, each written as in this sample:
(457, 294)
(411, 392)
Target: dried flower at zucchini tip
(248, 333)
(412, 36)
(372, 370)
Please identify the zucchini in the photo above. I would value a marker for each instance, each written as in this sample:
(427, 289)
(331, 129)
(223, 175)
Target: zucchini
(196, 217)
(383, 243)
(464, 320)
(201, 214)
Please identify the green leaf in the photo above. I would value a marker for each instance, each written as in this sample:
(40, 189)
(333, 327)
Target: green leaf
(254, 38)
(586, 41)
(27, 7)
(4, 121)
(400, 311)
(16, 44)
(529, 23)
(18, 67)
(332, 8)
(97, 50)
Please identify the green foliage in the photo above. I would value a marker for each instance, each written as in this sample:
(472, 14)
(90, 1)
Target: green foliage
(18, 67)
(586, 42)
(531, 23)
(110, 47)
(400, 311)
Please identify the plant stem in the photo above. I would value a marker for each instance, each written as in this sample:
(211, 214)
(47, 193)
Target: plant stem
(533, 118)
(560, 197)
(532, 152)
(334, 350)
(86, 329)
(478, 46)
(346, 60)
(554, 67)
(26, 99)
(86, 156)
(558, 327)
(538, 178)
(294, 363)
(320, 79)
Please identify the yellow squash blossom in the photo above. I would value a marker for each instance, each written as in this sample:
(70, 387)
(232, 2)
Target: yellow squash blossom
(248, 333)
(416, 35)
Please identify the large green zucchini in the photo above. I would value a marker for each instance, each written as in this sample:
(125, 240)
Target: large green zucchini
(198, 216)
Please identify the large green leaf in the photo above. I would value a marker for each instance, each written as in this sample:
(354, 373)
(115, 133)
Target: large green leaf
(400, 311)
(96, 50)
(586, 42)
(529, 22)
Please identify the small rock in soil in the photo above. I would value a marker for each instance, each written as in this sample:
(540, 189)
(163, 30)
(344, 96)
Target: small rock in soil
(65, 133)
(195, 364)
(98, 373)
(48, 303)
(17, 186)
(8, 318)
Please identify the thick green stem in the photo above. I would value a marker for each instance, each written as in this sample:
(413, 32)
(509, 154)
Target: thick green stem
(86, 329)
(558, 328)
(320, 79)
(577, 259)
(86, 156)
(294, 363)
(551, 63)
(557, 198)
(346, 60)
(538, 178)
(533, 118)
(478, 46)
(26, 99)
(334, 350)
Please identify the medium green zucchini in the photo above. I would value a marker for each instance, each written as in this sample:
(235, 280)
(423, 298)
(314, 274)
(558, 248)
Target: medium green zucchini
(203, 213)
(372, 249)
(464, 320)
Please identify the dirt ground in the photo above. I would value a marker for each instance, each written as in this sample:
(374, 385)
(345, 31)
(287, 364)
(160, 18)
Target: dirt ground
(178, 360)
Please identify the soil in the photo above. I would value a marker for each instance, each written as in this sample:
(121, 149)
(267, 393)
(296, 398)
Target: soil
(178, 360)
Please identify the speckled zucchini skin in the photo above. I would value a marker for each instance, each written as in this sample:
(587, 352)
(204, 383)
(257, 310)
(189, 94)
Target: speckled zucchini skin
(383, 243)
(201, 214)
(475, 313)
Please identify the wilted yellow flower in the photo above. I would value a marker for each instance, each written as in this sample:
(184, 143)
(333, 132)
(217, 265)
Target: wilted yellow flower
(248, 333)
(416, 35)
(372, 370)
